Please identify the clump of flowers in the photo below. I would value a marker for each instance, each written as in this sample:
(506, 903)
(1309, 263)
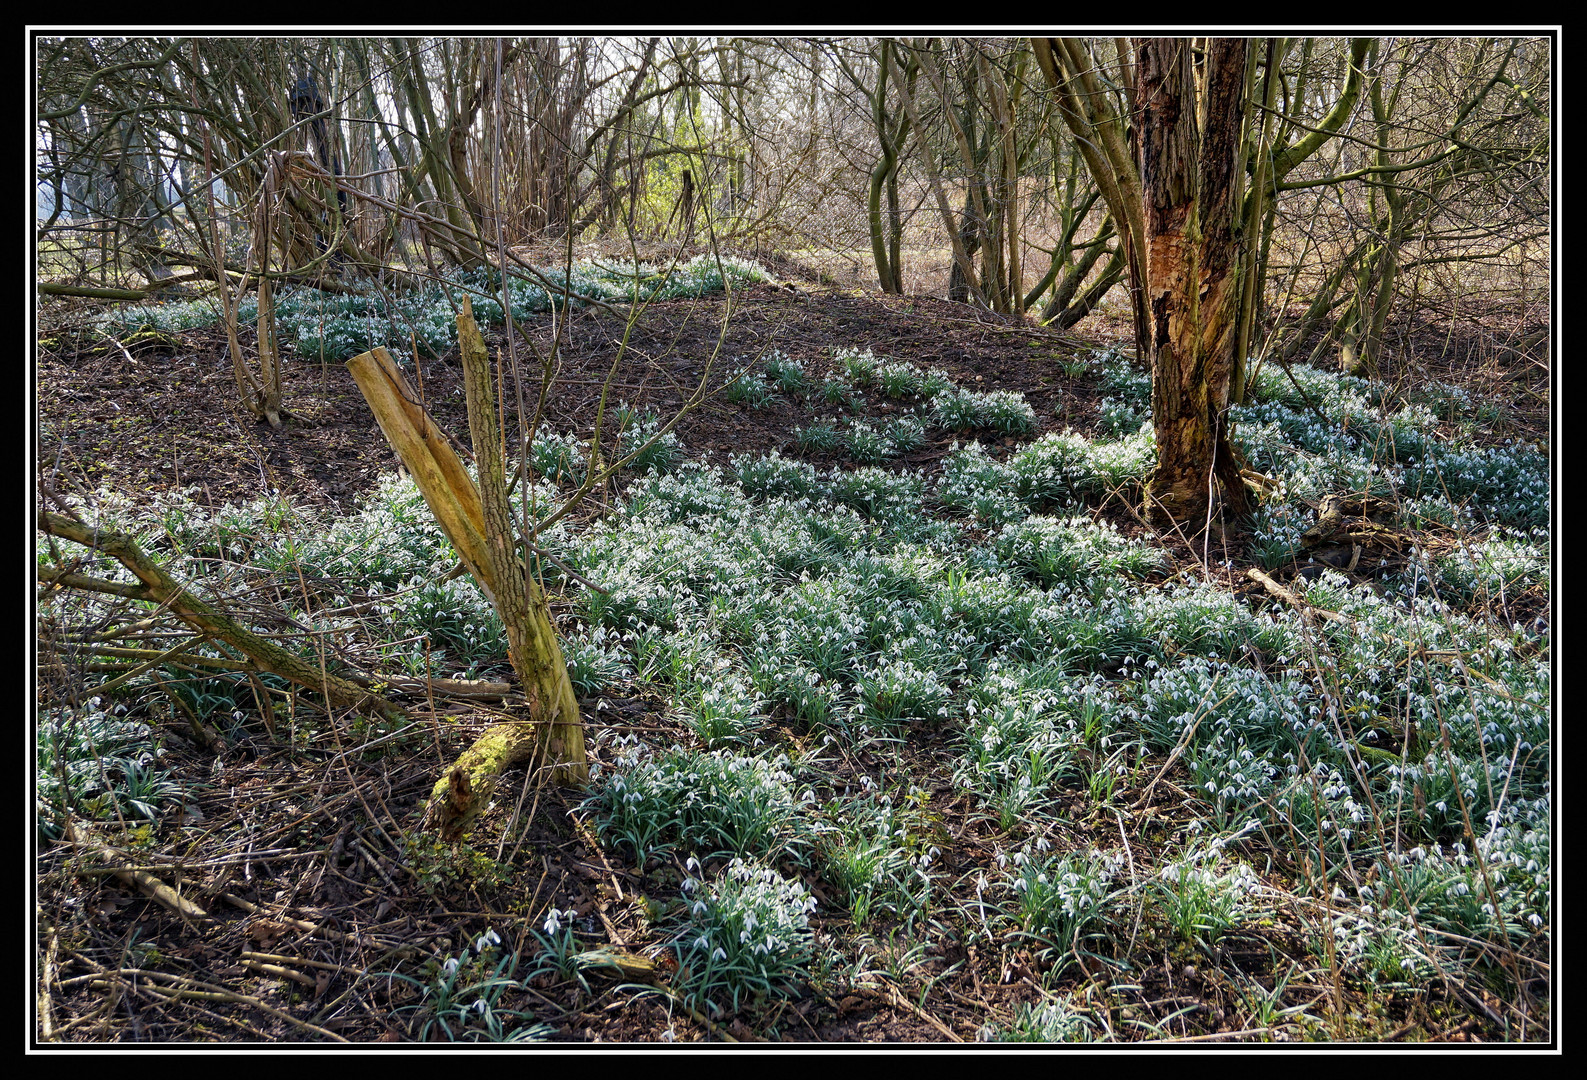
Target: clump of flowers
(747, 938)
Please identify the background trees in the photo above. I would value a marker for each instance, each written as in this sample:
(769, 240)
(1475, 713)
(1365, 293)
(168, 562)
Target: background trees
(1193, 152)
(1320, 183)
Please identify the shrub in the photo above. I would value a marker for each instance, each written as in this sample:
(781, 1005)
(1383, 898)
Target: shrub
(1074, 551)
(750, 389)
(1063, 901)
(1204, 895)
(895, 689)
(877, 493)
(1001, 410)
(896, 379)
(595, 659)
(905, 433)
(773, 476)
(817, 438)
(558, 457)
(974, 483)
(866, 445)
(860, 365)
(653, 452)
(92, 763)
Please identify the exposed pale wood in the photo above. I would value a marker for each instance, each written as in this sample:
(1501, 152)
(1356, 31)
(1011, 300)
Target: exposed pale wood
(1290, 598)
(146, 883)
(437, 470)
(478, 521)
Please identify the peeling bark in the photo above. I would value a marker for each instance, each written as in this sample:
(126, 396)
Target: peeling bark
(1187, 181)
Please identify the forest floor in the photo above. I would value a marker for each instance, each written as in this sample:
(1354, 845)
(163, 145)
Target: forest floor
(327, 920)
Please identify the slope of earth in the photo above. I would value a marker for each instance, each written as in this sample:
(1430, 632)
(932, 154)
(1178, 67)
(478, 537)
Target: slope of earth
(300, 855)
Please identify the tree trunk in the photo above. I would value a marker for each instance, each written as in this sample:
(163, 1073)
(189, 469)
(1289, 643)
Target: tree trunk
(478, 522)
(884, 180)
(1220, 192)
(269, 356)
(531, 642)
(1187, 254)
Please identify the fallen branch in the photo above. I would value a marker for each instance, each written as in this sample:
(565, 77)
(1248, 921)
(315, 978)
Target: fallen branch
(900, 1001)
(182, 987)
(146, 883)
(159, 587)
(279, 972)
(97, 294)
(204, 266)
(1291, 599)
(316, 930)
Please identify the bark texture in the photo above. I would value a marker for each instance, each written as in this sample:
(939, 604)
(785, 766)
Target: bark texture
(1189, 189)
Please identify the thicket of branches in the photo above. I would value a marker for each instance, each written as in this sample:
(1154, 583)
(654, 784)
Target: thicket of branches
(1401, 171)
